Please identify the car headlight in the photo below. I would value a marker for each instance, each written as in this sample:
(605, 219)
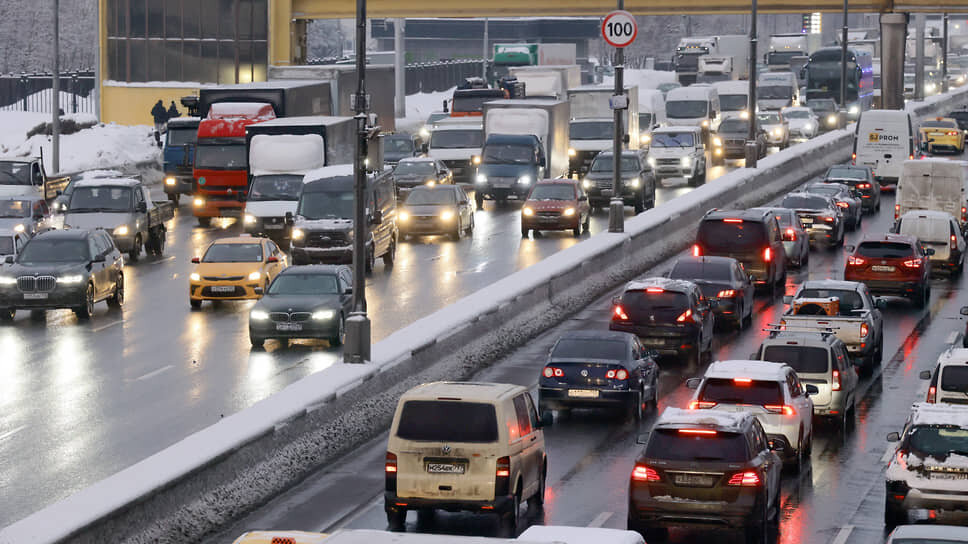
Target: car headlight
(929, 87)
(424, 133)
(717, 141)
(744, 114)
(250, 219)
(705, 123)
(634, 183)
(323, 315)
(19, 228)
(481, 178)
(569, 212)
(199, 202)
(808, 126)
(651, 161)
(70, 280)
(170, 180)
(255, 276)
(527, 211)
(853, 110)
(446, 215)
(404, 216)
(194, 276)
(8, 280)
(258, 315)
(587, 184)
(645, 138)
(431, 182)
(524, 180)
(572, 152)
(121, 231)
(831, 119)
(778, 132)
(685, 162)
(298, 234)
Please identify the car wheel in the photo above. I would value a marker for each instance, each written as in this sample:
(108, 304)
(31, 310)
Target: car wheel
(639, 205)
(654, 534)
(135, 252)
(455, 234)
(805, 258)
(920, 298)
(524, 232)
(370, 260)
(158, 245)
(195, 304)
(893, 516)
(117, 300)
(390, 255)
(576, 231)
(86, 310)
(479, 200)
(536, 502)
(396, 520)
(257, 342)
(633, 409)
(340, 333)
(509, 518)
(740, 319)
(7, 314)
(470, 228)
(755, 531)
(204, 221)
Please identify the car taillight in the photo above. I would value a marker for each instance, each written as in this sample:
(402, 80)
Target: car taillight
(843, 205)
(964, 214)
(502, 477)
(855, 261)
(503, 467)
(620, 374)
(901, 458)
(696, 251)
(685, 316)
(951, 133)
(897, 211)
(853, 158)
(863, 185)
(835, 386)
(784, 409)
(619, 314)
(790, 235)
(745, 479)
(390, 470)
(954, 242)
(553, 372)
(726, 293)
(932, 395)
(864, 329)
(645, 473)
(914, 263)
(911, 157)
(783, 324)
(828, 219)
(768, 254)
(701, 405)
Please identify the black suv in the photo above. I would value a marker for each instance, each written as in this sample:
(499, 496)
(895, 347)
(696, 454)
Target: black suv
(63, 269)
(637, 186)
(670, 316)
(752, 237)
(702, 469)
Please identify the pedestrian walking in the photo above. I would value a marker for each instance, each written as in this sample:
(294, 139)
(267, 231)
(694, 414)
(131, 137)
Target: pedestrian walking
(160, 116)
(172, 112)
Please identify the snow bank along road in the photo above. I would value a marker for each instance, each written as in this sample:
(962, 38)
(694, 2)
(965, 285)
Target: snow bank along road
(193, 391)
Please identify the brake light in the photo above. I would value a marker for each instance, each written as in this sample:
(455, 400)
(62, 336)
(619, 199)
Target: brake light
(553, 372)
(855, 261)
(620, 314)
(864, 329)
(932, 394)
(901, 458)
(768, 254)
(954, 242)
(863, 185)
(620, 374)
(784, 409)
(783, 324)
(726, 293)
(696, 252)
(914, 263)
(836, 381)
(701, 432)
(503, 467)
(853, 158)
(743, 381)
(701, 405)
(828, 219)
(654, 290)
(745, 479)
(951, 133)
(644, 473)
(790, 235)
(964, 213)
(390, 466)
(897, 211)
(843, 204)
(685, 316)
(731, 220)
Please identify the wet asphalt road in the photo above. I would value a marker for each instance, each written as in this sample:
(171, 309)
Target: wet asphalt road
(80, 401)
(838, 498)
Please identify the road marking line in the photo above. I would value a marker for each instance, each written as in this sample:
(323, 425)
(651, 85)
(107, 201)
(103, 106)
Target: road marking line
(843, 535)
(109, 325)
(153, 373)
(952, 337)
(600, 519)
(8, 434)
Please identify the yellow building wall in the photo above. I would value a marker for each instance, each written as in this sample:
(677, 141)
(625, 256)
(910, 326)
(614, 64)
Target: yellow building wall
(131, 105)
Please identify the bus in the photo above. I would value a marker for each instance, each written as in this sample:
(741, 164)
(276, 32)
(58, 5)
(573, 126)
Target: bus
(822, 74)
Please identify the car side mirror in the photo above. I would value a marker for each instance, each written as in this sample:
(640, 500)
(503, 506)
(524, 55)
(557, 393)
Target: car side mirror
(142, 207)
(98, 259)
(616, 301)
(289, 220)
(850, 249)
(642, 439)
(547, 419)
(894, 437)
(377, 217)
(925, 375)
(258, 291)
(929, 251)
(9, 259)
(812, 389)
(964, 310)
(693, 383)
(880, 303)
(787, 299)
(583, 198)
(196, 260)
(272, 259)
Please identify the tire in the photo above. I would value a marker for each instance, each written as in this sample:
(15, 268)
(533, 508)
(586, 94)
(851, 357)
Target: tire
(396, 520)
(86, 310)
(160, 237)
(479, 200)
(117, 300)
(369, 261)
(390, 255)
(920, 299)
(195, 304)
(588, 220)
(536, 502)
(893, 516)
(204, 221)
(257, 342)
(470, 228)
(455, 234)
(135, 252)
(655, 534)
(7, 314)
(509, 518)
(173, 197)
(576, 231)
(524, 232)
(797, 466)
(805, 259)
(755, 532)
(639, 205)
(740, 321)
(337, 340)
(633, 409)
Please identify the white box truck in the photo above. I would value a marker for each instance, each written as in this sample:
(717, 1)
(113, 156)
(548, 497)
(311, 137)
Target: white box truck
(547, 82)
(783, 47)
(592, 125)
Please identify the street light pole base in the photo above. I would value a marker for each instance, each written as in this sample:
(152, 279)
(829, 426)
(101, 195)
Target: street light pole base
(752, 154)
(616, 215)
(356, 348)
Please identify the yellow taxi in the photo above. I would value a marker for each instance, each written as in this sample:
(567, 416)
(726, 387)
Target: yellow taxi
(942, 134)
(235, 269)
(280, 537)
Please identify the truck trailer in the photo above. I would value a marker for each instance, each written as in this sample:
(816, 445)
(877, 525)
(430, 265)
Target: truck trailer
(288, 98)
(592, 125)
(507, 55)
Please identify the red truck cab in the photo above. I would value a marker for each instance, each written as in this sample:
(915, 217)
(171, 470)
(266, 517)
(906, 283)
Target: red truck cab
(221, 164)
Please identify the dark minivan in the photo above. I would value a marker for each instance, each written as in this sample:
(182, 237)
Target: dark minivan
(752, 237)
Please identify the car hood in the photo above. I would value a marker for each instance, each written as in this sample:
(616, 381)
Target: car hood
(93, 220)
(271, 208)
(18, 190)
(670, 152)
(45, 269)
(800, 123)
(505, 170)
(430, 209)
(227, 269)
(550, 205)
(325, 224)
(301, 303)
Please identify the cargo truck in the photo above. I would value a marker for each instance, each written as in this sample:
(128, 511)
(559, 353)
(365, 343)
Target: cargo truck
(736, 48)
(455, 142)
(179, 156)
(714, 69)
(592, 126)
(288, 98)
(690, 50)
(547, 82)
(507, 55)
(281, 152)
(783, 47)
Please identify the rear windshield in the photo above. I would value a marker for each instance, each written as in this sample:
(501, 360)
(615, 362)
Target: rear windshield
(447, 421)
(885, 250)
(672, 445)
(718, 235)
(716, 271)
(846, 173)
(644, 301)
(803, 359)
(849, 300)
(590, 348)
(926, 229)
(938, 442)
(799, 202)
(728, 391)
(939, 124)
(955, 378)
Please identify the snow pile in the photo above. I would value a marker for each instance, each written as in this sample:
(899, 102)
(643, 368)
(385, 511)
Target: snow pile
(15, 125)
(579, 535)
(645, 79)
(713, 417)
(420, 106)
(41, 100)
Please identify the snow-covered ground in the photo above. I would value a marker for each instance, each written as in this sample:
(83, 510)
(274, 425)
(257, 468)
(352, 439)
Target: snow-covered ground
(421, 105)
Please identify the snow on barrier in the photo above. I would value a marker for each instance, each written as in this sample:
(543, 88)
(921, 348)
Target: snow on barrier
(211, 478)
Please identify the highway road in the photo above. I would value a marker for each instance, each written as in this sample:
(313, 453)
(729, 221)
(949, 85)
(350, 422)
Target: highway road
(839, 498)
(80, 401)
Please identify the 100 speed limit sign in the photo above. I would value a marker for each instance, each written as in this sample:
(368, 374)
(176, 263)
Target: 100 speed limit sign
(619, 28)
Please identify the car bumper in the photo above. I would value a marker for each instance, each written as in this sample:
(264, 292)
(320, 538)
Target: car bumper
(598, 196)
(673, 171)
(666, 511)
(514, 191)
(822, 234)
(868, 201)
(725, 307)
(550, 223)
(211, 290)
(499, 504)
(311, 328)
(60, 297)
(834, 407)
(218, 208)
(428, 225)
(553, 398)
(949, 265)
(890, 287)
(179, 183)
(329, 255)
(272, 227)
(666, 344)
(942, 503)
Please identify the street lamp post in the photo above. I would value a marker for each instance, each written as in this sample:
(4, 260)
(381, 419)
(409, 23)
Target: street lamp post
(752, 150)
(944, 55)
(616, 207)
(55, 93)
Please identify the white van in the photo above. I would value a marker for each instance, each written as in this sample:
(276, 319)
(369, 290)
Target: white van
(695, 105)
(734, 97)
(933, 184)
(370, 536)
(777, 90)
(940, 232)
(652, 114)
(883, 140)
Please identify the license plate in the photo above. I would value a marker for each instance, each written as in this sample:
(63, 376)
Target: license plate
(230, 212)
(502, 184)
(693, 480)
(879, 268)
(35, 296)
(806, 220)
(548, 219)
(445, 468)
(289, 327)
(270, 226)
(652, 341)
(583, 393)
(223, 289)
(948, 476)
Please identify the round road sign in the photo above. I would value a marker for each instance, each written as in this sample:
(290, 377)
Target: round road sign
(619, 28)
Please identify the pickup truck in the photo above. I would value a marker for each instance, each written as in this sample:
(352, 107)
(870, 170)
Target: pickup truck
(122, 207)
(844, 307)
(28, 177)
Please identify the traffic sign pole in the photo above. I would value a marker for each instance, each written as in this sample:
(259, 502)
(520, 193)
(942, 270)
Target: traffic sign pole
(619, 30)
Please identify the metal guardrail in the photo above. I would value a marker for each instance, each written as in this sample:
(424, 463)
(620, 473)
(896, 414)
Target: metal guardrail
(31, 92)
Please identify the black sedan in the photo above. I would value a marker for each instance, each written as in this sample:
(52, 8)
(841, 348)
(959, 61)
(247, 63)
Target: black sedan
(599, 369)
(420, 172)
(444, 209)
(859, 178)
(820, 217)
(724, 283)
(63, 269)
(846, 199)
(309, 301)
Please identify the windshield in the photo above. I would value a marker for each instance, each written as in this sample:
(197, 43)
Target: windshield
(849, 300)
(397, 144)
(803, 359)
(729, 391)
(822, 105)
(774, 92)
(937, 442)
(720, 236)
(700, 270)
(55, 251)
(939, 124)
(14, 208)
(100, 199)
(181, 136)
(447, 421)
(927, 229)
(781, 57)
(434, 117)
(673, 139)
(456, 139)
(233, 253)
(732, 102)
(772, 118)
(590, 348)
(508, 154)
(885, 250)
(327, 205)
(686, 109)
(846, 173)
(275, 187)
(598, 130)
(220, 157)
(6, 245)
(645, 120)
(734, 125)
(474, 103)
(431, 197)
(552, 191)
(417, 168)
(304, 284)
(604, 163)
(796, 114)
(798, 202)
(672, 445)
(14, 173)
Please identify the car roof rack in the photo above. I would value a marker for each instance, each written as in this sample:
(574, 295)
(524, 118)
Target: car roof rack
(778, 328)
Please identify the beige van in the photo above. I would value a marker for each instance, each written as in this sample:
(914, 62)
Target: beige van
(462, 446)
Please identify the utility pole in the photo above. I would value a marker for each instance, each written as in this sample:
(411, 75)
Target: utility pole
(616, 207)
(399, 67)
(919, 54)
(752, 150)
(357, 345)
(485, 54)
(843, 72)
(55, 93)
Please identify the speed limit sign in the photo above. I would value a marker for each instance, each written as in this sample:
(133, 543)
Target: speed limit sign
(619, 28)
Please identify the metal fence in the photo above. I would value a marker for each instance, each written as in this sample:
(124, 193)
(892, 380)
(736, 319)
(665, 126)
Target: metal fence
(32, 92)
(425, 77)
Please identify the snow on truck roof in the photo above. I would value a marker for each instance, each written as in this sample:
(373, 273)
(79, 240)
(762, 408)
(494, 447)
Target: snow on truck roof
(832, 284)
(103, 182)
(923, 413)
(756, 370)
(721, 419)
(328, 172)
(470, 391)
(305, 120)
(927, 214)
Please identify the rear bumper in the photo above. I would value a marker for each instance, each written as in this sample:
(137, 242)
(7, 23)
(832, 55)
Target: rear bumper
(644, 509)
(392, 502)
(889, 287)
(557, 398)
(947, 502)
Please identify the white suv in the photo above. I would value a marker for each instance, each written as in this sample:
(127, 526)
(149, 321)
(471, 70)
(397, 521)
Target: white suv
(772, 392)
(949, 382)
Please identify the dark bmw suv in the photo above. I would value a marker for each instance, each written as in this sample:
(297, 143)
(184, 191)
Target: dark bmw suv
(63, 269)
(752, 237)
